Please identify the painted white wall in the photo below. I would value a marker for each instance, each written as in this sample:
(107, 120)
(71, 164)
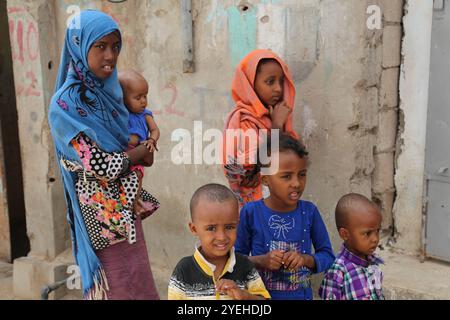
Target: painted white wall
(414, 81)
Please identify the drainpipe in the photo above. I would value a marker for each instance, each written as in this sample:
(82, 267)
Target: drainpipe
(45, 291)
(187, 36)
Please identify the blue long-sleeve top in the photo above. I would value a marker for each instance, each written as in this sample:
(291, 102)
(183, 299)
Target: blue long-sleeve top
(262, 229)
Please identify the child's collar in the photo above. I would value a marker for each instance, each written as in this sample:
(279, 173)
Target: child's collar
(371, 259)
(209, 268)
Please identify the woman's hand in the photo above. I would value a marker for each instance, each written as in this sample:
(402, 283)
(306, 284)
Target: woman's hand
(141, 156)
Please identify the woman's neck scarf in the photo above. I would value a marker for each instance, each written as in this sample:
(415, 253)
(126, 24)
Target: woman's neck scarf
(84, 103)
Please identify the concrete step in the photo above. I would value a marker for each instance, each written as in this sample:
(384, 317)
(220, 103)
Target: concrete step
(6, 281)
(161, 276)
(6, 269)
(71, 297)
(406, 278)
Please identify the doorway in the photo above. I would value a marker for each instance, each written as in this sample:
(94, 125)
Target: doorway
(10, 160)
(437, 157)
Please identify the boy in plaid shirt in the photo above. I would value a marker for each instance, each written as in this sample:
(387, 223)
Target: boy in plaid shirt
(355, 274)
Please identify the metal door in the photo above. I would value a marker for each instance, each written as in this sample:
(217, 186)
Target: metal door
(437, 239)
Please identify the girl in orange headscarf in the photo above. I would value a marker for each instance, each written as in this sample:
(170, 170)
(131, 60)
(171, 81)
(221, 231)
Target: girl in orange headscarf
(264, 93)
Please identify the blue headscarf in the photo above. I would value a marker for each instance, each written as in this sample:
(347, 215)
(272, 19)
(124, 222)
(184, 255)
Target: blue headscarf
(84, 103)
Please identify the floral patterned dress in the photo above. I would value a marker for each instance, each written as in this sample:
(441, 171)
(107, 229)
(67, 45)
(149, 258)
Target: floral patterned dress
(106, 189)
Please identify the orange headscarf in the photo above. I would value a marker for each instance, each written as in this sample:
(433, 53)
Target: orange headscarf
(248, 105)
(250, 112)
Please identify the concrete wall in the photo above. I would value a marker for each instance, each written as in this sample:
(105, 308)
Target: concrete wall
(345, 74)
(409, 178)
(337, 65)
(383, 189)
(32, 36)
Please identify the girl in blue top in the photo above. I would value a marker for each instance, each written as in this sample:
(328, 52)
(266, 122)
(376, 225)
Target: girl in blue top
(278, 232)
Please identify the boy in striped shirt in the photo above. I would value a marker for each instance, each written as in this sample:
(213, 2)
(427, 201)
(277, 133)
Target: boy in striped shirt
(215, 271)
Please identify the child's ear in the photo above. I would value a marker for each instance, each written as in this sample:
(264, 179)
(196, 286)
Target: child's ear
(344, 234)
(193, 228)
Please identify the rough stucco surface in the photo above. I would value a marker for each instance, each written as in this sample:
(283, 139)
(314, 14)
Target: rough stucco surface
(336, 63)
(330, 100)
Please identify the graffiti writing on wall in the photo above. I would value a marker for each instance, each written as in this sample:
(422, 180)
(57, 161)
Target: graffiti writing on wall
(24, 39)
(206, 99)
(170, 92)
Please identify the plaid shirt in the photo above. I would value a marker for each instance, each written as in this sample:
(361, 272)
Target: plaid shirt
(352, 278)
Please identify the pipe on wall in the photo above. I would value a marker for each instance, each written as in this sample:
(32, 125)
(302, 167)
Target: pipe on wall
(187, 36)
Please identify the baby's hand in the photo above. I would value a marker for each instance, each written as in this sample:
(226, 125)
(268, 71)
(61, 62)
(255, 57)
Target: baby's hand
(230, 288)
(273, 260)
(150, 144)
(293, 261)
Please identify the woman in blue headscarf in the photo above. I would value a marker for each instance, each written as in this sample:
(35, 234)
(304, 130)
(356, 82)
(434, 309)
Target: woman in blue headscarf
(88, 122)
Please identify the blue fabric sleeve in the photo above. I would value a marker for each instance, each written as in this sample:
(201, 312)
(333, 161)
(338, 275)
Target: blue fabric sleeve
(243, 244)
(148, 112)
(323, 252)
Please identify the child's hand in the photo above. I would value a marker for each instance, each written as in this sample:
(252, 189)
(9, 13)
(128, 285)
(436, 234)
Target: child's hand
(293, 260)
(273, 260)
(279, 114)
(150, 144)
(230, 288)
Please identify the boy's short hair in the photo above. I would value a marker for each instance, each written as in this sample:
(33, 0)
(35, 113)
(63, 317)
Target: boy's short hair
(212, 192)
(348, 202)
